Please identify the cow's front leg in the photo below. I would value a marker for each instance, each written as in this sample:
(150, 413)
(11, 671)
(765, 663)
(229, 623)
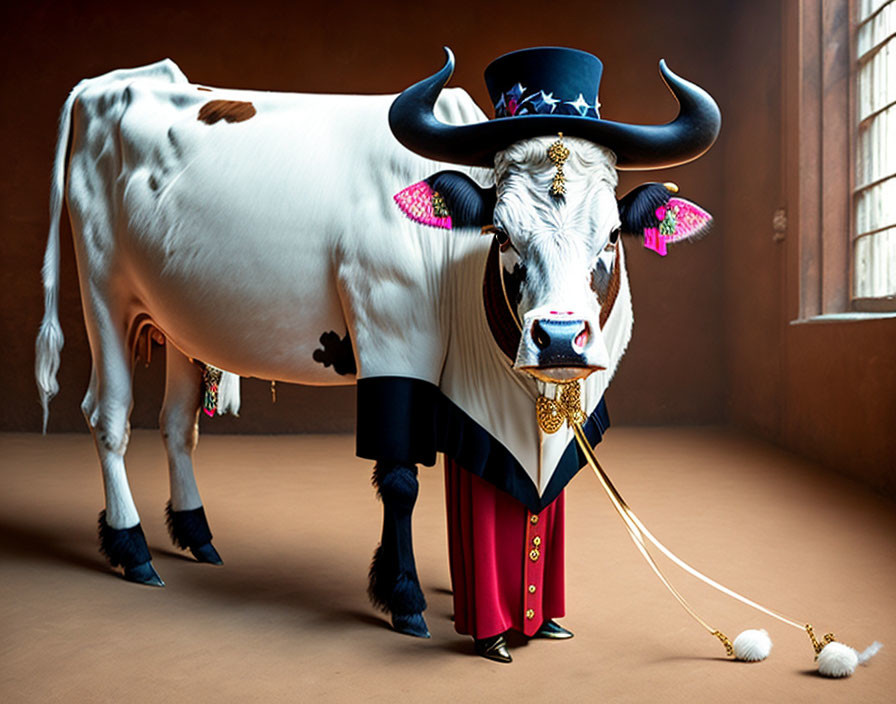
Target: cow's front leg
(179, 423)
(394, 586)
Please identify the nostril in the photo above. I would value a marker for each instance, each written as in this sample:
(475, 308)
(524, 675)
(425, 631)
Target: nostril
(581, 339)
(540, 335)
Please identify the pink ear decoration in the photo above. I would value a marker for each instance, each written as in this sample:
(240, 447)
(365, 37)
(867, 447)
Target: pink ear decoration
(424, 205)
(655, 241)
(677, 220)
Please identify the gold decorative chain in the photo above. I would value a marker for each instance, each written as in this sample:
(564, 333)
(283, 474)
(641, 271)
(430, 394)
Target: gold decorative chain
(816, 644)
(729, 648)
(567, 407)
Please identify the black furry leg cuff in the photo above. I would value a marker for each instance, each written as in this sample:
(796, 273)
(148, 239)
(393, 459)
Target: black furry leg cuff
(126, 547)
(400, 594)
(188, 529)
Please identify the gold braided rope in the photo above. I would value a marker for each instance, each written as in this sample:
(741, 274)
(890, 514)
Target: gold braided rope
(551, 414)
(816, 644)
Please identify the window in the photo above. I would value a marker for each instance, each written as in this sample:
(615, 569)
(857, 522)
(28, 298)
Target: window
(874, 195)
(839, 154)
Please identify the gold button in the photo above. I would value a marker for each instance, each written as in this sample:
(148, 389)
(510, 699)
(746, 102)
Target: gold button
(530, 614)
(536, 541)
(534, 554)
(533, 519)
(531, 588)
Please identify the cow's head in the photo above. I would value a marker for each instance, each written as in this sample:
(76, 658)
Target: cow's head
(553, 244)
(553, 211)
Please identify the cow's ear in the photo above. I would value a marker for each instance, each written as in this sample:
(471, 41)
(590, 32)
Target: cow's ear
(448, 199)
(654, 212)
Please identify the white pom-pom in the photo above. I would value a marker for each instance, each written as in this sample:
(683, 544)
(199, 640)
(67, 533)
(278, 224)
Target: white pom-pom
(837, 660)
(752, 645)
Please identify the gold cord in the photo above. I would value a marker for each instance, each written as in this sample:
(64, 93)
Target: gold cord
(551, 414)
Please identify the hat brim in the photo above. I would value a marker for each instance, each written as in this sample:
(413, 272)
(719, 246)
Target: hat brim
(636, 147)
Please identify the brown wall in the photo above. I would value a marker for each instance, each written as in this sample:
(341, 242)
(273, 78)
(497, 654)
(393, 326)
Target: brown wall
(713, 339)
(825, 390)
(674, 370)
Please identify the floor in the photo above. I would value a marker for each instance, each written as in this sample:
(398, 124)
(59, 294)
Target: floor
(295, 519)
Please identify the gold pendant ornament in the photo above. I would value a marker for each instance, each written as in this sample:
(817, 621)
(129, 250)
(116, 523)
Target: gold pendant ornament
(558, 153)
(567, 407)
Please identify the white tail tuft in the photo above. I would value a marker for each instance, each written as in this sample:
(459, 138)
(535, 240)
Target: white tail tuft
(229, 394)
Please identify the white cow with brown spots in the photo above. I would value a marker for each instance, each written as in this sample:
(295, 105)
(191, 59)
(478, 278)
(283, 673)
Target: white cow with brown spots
(258, 233)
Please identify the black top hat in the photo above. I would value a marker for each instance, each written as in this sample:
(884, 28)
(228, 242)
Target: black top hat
(545, 81)
(546, 90)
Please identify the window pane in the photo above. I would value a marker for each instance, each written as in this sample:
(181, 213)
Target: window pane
(875, 30)
(869, 7)
(875, 265)
(876, 148)
(876, 207)
(876, 85)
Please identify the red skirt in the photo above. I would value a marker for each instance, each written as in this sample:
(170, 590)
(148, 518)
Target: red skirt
(507, 564)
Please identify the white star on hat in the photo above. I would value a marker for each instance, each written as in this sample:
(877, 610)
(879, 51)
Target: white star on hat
(517, 91)
(580, 104)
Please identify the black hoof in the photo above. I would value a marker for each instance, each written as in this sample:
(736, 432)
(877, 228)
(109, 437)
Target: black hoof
(189, 531)
(411, 625)
(144, 574)
(207, 553)
(494, 648)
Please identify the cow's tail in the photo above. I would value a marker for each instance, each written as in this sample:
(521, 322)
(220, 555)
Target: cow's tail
(49, 339)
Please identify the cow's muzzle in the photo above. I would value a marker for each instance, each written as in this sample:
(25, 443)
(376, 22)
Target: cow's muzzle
(560, 347)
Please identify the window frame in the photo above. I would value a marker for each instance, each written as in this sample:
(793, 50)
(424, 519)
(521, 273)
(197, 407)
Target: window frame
(818, 161)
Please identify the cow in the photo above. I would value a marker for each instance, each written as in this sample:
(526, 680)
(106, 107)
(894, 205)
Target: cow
(402, 244)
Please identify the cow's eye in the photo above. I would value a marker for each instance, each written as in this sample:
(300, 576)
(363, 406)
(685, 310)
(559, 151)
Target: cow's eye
(502, 238)
(614, 235)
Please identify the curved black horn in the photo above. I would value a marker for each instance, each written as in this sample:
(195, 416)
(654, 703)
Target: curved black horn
(413, 123)
(688, 136)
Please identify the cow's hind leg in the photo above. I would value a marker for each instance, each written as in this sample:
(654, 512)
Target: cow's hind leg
(179, 423)
(394, 586)
(107, 409)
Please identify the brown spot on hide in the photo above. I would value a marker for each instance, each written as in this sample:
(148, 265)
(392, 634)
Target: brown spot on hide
(500, 319)
(203, 88)
(227, 110)
(607, 301)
